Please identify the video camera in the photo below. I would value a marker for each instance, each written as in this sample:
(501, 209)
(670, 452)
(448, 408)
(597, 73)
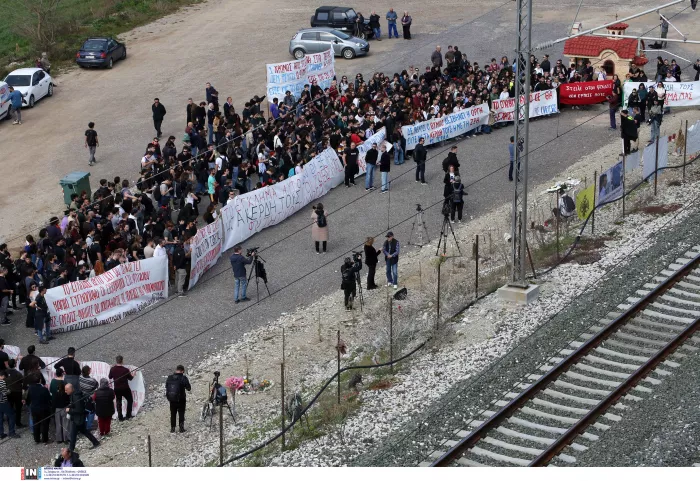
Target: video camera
(252, 251)
(356, 256)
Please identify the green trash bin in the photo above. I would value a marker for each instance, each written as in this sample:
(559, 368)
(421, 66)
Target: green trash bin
(75, 183)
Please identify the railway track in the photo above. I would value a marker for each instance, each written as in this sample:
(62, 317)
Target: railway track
(584, 389)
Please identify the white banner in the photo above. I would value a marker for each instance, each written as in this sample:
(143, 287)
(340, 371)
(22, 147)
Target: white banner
(447, 127)
(292, 76)
(541, 103)
(678, 94)
(109, 297)
(253, 211)
(206, 250)
(99, 370)
(693, 139)
(378, 138)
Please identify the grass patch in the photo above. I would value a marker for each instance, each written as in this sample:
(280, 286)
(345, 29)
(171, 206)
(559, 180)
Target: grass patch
(66, 23)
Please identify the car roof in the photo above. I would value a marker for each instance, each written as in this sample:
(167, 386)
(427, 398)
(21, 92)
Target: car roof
(103, 39)
(318, 29)
(25, 71)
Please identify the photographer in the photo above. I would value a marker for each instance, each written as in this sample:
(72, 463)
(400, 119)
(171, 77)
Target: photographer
(238, 263)
(371, 259)
(175, 387)
(456, 199)
(348, 270)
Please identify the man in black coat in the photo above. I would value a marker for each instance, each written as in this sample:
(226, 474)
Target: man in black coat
(178, 404)
(76, 411)
(158, 115)
(451, 159)
(420, 156)
(628, 130)
(68, 459)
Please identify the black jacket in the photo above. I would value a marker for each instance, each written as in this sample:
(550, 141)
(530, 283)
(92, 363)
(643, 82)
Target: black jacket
(184, 386)
(38, 398)
(371, 256)
(385, 162)
(104, 402)
(696, 66)
(450, 160)
(77, 408)
(372, 156)
(74, 459)
(420, 153)
(158, 112)
(374, 21)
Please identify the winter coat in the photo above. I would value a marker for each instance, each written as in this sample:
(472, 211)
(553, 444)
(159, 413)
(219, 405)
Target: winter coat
(319, 234)
(104, 402)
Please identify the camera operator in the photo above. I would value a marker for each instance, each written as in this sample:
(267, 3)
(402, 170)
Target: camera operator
(175, 387)
(348, 270)
(456, 199)
(238, 263)
(371, 259)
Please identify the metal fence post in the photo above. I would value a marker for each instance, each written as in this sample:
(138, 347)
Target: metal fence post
(282, 378)
(438, 293)
(624, 176)
(595, 186)
(476, 266)
(221, 435)
(685, 149)
(656, 165)
(391, 334)
(338, 349)
(556, 219)
(150, 460)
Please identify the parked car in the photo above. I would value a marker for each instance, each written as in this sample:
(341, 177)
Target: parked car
(33, 82)
(100, 52)
(314, 40)
(341, 18)
(4, 104)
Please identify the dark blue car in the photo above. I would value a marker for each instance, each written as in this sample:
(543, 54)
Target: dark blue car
(100, 52)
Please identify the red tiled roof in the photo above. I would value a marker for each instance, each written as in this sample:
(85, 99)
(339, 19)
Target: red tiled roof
(618, 26)
(592, 46)
(639, 61)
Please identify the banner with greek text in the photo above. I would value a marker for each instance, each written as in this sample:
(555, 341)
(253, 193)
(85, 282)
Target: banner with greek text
(99, 370)
(541, 103)
(109, 297)
(678, 94)
(585, 93)
(206, 250)
(447, 127)
(253, 211)
(378, 138)
(315, 67)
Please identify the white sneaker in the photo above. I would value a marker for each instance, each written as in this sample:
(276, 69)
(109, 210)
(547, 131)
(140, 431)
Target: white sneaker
(15, 122)
(396, 286)
(389, 284)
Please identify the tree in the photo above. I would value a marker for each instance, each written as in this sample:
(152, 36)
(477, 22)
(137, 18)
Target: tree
(37, 20)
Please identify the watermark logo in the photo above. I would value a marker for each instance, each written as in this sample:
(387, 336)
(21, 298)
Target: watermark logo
(31, 473)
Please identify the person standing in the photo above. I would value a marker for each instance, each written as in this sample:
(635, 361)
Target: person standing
(371, 260)
(511, 155)
(15, 99)
(59, 402)
(42, 318)
(457, 203)
(391, 18)
(175, 387)
(436, 57)
(628, 131)
(76, 411)
(420, 157)
(158, 115)
(350, 158)
(656, 115)
(385, 168)
(6, 409)
(91, 142)
(180, 265)
(696, 67)
(5, 293)
(319, 228)
(374, 25)
(39, 402)
(14, 380)
(370, 165)
(348, 284)
(238, 263)
(88, 385)
(406, 21)
(104, 406)
(664, 30)
(120, 376)
(391, 256)
(614, 104)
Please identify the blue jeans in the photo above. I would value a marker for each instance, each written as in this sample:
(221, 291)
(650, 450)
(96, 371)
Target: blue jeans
(6, 410)
(398, 154)
(385, 181)
(89, 419)
(392, 28)
(45, 333)
(613, 114)
(392, 273)
(377, 33)
(240, 286)
(369, 176)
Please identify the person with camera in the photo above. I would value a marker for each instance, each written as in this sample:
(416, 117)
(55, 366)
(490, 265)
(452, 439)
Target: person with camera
(319, 228)
(391, 250)
(371, 260)
(238, 263)
(175, 387)
(456, 199)
(347, 271)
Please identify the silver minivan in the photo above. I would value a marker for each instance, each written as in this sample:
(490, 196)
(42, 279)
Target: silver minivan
(314, 40)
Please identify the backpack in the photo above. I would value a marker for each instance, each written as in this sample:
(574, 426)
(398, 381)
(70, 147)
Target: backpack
(347, 274)
(446, 210)
(321, 219)
(157, 195)
(220, 396)
(569, 205)
(172, 388)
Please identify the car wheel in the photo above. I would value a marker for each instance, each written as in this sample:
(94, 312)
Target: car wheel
(124, 54)
(110, 64)
(348, 53)
(298, 53)
(31, 102)
(50, 90)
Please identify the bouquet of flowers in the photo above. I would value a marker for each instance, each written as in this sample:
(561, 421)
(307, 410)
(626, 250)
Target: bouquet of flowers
(234, 384)
(255, 386)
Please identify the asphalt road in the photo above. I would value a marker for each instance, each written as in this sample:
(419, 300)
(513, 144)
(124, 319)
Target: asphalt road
(171, 332)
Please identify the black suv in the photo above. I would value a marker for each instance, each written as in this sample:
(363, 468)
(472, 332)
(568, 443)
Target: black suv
(343, 19)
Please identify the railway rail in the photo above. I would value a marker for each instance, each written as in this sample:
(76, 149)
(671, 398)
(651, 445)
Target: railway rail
(588, 386)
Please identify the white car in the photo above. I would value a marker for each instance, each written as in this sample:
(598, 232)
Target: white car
(4, 103)
(34, 84)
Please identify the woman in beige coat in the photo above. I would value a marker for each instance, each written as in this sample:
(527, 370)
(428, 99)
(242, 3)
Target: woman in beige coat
(319, 229)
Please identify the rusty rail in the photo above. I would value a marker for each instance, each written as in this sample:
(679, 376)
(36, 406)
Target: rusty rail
(528, 394)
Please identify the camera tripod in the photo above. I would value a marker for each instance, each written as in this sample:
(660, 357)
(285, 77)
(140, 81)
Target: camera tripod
(446, 224)
(259, 270)
(358, 280)
(422, 229)
(210, 405)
